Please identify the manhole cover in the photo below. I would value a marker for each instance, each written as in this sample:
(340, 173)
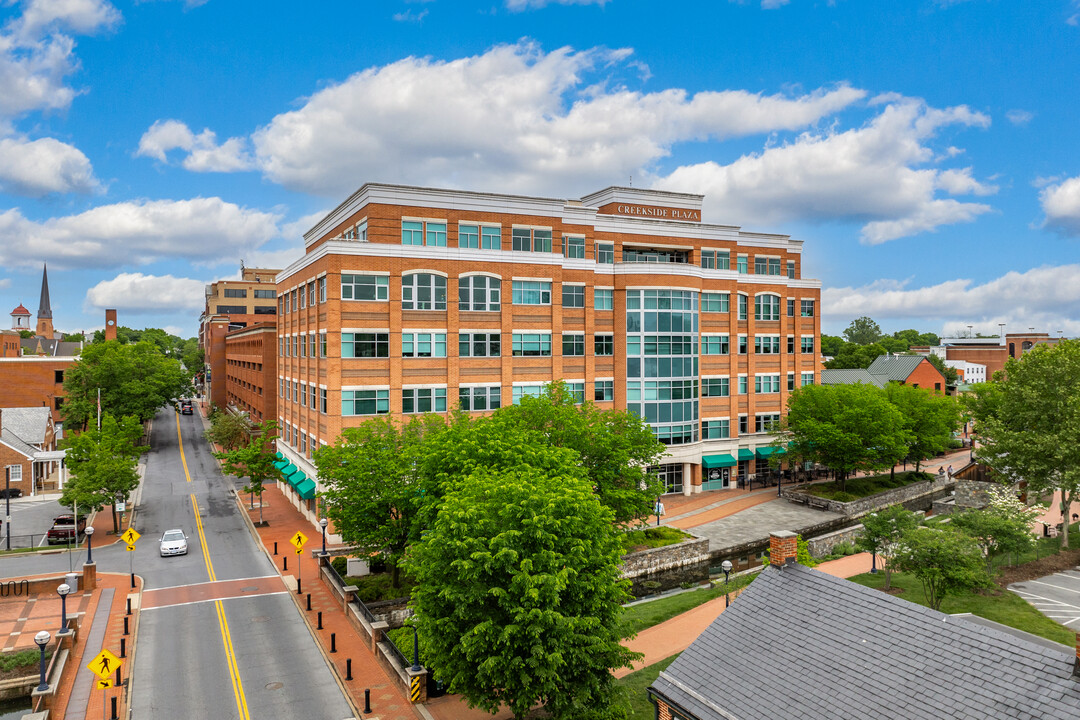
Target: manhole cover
(274, 686)
(249, 588)
(261, 618)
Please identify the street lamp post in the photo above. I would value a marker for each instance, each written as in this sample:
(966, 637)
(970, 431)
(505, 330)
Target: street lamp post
(659, 507)
(873, 554)
(323, 523)
(63, 591)
(42, 639)
(415, 650)
(7, 500)
(89, 532)
(726, 567)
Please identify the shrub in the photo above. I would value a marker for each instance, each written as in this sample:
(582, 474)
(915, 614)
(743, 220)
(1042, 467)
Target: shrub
(843, 549)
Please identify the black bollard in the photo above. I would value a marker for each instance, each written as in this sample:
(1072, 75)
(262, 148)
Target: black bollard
(132, 581)
(298, 586)
(285, 563)
(309, 602)
(125, 626)
(333, 642)
(367, 700)
(119, 682)
(275, 547)
(320, 621)
(348, 669)
(123, 647)
(113, 716)
(128, 607)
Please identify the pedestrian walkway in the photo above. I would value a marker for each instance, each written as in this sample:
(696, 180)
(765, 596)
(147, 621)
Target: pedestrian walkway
(388, 701)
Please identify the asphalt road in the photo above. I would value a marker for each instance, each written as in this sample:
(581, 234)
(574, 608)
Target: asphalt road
(239, 657)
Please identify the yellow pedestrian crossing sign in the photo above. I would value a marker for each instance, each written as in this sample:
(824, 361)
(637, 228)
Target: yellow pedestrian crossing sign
(298, 541)
(104, 684)
(104, 665)
(130, 536)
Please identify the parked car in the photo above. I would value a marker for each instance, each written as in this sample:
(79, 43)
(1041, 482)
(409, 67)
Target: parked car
(173, 542)
(64, 529)
(185, 407)
(10, 492)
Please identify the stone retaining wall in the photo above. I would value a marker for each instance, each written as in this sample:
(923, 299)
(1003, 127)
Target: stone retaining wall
(862, 506)
(658, 569)
(823, 545)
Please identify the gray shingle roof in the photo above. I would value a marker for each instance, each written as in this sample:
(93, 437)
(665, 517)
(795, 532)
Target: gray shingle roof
(895, 367)
(30, 424)
(802, 644)
(852, 376)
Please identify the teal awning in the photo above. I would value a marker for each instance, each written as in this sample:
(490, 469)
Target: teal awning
(769, 450)
(278, 456)
(296, 478)
(280, 464)
(745, 454)
(717, 461)
(306, 489)
(287, 469)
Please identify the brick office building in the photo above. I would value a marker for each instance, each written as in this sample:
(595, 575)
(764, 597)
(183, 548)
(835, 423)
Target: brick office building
(251, 371)
(409, 300)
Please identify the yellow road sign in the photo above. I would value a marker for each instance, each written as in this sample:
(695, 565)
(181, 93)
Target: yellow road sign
(103, 684)
(130, 548)
(104, 665)
(298, 540)
(130, 536)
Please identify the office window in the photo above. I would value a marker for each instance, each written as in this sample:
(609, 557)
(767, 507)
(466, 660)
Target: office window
(531, 292)
(311, 294)
(774, 266)
(714, 430)
(423, 400)
(715, 387)
(742, 385)
(322, 400)
(521, 391)
(490, 238)
(791, 381)
(313, 339)
(301, 346)
(412, 233)
(605, 253)
(791, 269)
(790, 308)
(435, 235)
(573, 345)
(604, 299)
(281, 387)
(364, 287)
(423, 291)
(576, 390)
(604, 344)
(365, 402)
(531, 345)
(265, 310)
(573, 296)
(232, 309)
(743, 344)
(530, 240)
(744, 424)
(807, 378)
(708, 258)
(807, 308)
(422, 345)
(365, 345)
(573, 247)
(322, 344)
(281, 305)
(480, 398)
(235, 292)
(791, 344)
(603, 390)
(303, 443)
(761, 266)
(767, 307)
(281, 347)
(322, 289)
(742, 264)
(479, 345)
(468, 236)
(715, 302)
(723, 260)
(743, 303)
(767, 344)
(807, 345)
(714, 345)
(264, 294)
(479, 293)
(301, 297)
(766, 384)
(767, 423)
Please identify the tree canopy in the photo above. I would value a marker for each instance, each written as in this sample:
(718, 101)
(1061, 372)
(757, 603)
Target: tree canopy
(133, 379)
(944, 559)
(862, 331)
(102, 463)
(929, 420)
(883, 532)
(228, 430)
(518, 594)
(952, 377)
(255, 461)
(1029, 422)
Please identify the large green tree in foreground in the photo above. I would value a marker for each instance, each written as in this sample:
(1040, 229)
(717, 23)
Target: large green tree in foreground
(103, 464)
(519, 593)
(1029, 423)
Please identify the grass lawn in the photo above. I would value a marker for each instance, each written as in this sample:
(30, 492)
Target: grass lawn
(652, 537)
(654, 612)
(635, 684)
(996, 604)
(865, 486)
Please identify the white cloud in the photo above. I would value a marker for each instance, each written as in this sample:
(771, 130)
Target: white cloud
(870, 174)
(1047, 298)
(84, 17)
(5, 283)
(521, 5)
(203, 230)
(410, 16)
(204, 153)
(136, 293)
(1061, 203)
(39, 167)
(514, 119)
(1019, 117)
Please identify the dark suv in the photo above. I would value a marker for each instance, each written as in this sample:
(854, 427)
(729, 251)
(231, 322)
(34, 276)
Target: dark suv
(64, 529)
(185, 407)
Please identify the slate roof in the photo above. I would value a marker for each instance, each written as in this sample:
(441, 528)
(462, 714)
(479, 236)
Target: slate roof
(14, 441)
(30, 424)
(51, 347)
(802, 644)
(852, 376)
(895, 367)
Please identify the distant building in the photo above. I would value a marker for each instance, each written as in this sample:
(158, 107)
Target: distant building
(913, 370)
(28, 451)
(251, 371)
(992, 353)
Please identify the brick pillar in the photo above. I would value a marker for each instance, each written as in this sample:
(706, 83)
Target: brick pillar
(89, 578)
(783, 547)
(417, 685)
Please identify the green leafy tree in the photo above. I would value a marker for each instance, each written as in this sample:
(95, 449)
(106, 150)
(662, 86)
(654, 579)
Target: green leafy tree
(519, 593)
(893, 345)
(1002, 527)
(228, 430)
(845, 427)
(102, 464)
(945, 560)
(614, 446)
(371, 488)
(831, 344)
(255, 461)
(73, 337)
(26, 334)
(192, 356)
(1029, 423)
(133, 380)
(862, 331)
(929, 420)
(853, 355)
(883, 532)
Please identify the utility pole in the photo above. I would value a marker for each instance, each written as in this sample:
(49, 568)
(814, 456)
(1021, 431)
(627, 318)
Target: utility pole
(99, 409)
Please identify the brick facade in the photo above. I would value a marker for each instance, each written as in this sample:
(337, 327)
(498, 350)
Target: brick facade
(33, 381)
(251, 371)
(928, 377)
(783, 546)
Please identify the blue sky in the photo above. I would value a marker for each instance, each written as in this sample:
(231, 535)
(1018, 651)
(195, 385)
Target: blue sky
(925, 151)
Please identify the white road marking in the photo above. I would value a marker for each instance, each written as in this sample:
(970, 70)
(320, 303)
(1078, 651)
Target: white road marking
(206, 600)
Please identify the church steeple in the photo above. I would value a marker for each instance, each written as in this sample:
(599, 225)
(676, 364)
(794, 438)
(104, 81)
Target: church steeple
(44, 315)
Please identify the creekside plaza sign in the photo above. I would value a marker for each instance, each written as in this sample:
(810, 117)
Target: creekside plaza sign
(662, 213)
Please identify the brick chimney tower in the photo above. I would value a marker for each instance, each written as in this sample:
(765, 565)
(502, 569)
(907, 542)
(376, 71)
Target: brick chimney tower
(110, 325)
(783, 548)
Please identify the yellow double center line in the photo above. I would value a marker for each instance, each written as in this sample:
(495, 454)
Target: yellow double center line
(223, 623)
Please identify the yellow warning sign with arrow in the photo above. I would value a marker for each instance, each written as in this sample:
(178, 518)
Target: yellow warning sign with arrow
(103, 684)
(104, 665)
(130, 536)
(298, 541)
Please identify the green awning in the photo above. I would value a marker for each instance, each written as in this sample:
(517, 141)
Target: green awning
(287, 469)
(280, 464)
(717, 461)
(296, 478)
(278, 456)
(745, 454)
(769, 450)
(306, 489)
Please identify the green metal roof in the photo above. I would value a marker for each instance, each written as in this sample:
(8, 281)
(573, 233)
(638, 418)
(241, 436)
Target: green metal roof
(306, 489)
(718, 461)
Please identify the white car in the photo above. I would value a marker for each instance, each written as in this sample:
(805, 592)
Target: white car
(173, 542)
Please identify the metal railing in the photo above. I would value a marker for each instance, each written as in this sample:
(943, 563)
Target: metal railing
(395, 652)
(36, 540)
(335, 577)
